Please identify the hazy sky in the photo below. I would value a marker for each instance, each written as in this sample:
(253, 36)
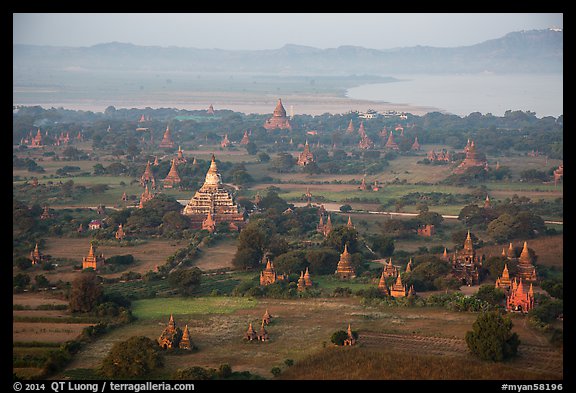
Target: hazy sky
(273, 30)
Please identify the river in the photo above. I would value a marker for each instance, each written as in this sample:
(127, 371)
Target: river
(463, 94)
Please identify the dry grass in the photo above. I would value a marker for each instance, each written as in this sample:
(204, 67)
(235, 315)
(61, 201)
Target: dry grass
(147, 255)
(46, 331)
(35, 299)
(217, 256)
(361, 363)
(549, 249)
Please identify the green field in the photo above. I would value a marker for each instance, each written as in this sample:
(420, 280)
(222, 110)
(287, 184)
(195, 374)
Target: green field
(160, 307)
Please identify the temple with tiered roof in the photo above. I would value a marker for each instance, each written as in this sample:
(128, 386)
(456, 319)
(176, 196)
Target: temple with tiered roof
(172, 179)
(145, 197)
(245, 139)
(35, 256)
(278, 119)
(306, 157)
(268, 275)
(213, 198)
(148, 177)
(390, 270)
(120, 234)
(398, 289)
(324, 228)
(350, 129)
(504, 282)
(172, 337)
(526, 269)
(225, 142)
(518, 299)
(391, 143)
(92, 260)
(180, 159)
(167, 142)
(344, 270)
(465, 263)
(473, 159)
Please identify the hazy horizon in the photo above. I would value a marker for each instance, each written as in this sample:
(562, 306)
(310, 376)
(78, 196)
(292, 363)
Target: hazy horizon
(253, 31)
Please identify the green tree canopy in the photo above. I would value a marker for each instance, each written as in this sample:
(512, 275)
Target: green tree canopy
(186, 280)
(132, 358)
(491, 337)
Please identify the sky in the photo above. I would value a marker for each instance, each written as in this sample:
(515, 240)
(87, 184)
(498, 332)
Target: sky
(250, 31)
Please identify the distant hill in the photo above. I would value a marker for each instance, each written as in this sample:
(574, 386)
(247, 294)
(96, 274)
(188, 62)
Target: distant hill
(534, 51)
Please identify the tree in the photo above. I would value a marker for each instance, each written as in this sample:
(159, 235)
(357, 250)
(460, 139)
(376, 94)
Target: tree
(283, 162)
(173, 220)
(491, 337)
(493, 266)
(338, 337)
(186, 280)
(322, 261)
(41, 281)
(99, 169)
(340, 236)
(345, 208)
(86, 292)
(502, 228)
(290, 262)
(263, 157)
(251, 148)
(132, 358)
(383, 245)
(20, 280)
(489, 294)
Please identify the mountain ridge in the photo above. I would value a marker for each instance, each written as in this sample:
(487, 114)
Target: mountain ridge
(529, 51)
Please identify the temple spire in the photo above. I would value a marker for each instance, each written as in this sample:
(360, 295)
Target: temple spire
(349, 224)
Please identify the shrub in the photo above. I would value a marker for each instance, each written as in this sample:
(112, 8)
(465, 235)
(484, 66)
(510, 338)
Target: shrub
(338, 337)
(275, 371)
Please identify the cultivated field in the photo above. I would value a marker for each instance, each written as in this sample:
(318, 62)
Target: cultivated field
(50, 332)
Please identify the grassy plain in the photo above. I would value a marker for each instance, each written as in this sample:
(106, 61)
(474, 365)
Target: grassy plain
(302, 328)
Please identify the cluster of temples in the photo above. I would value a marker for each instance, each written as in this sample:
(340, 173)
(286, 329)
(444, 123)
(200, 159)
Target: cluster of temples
(305, 281)
(269, 276)
(212, 198)
(397, 289)
(173, 337)
(262, 334)
(441, 156)
(324, 226)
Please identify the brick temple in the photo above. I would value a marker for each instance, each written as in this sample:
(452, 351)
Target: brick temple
(473, 159)
(213, 198)
(278, 119)
(465, 263)
(344, 269)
